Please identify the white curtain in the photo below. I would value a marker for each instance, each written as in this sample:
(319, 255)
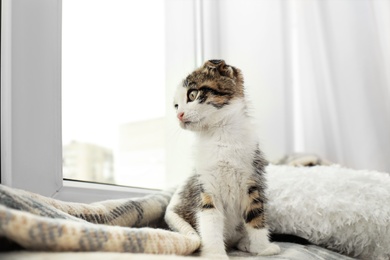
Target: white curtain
(317, 72)
(342, 79)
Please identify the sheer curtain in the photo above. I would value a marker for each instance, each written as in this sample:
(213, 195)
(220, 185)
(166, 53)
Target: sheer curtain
(317, 73)
(341, 52)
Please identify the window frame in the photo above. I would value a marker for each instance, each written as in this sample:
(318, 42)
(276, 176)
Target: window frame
(31, 74)
(31, 143)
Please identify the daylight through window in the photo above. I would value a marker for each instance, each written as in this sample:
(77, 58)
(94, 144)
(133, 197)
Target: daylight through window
(113, 93)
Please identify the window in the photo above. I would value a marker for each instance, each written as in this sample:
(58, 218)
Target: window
(113, 92)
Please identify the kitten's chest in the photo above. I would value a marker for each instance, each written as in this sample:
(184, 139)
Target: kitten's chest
(225, 164)
(224, 157)
(227, 184)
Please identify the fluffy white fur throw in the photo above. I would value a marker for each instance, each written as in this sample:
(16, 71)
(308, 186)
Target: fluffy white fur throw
(339, 208)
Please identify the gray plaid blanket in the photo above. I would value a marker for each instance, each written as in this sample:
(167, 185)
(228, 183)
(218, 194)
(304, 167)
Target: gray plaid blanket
(124, 225)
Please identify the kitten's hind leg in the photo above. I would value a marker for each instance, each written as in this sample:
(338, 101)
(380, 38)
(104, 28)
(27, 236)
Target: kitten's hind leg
(256, 239)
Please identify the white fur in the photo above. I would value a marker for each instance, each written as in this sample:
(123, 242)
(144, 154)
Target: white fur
(343, 209)
(211, 225)
(225, 145)
(223, 159)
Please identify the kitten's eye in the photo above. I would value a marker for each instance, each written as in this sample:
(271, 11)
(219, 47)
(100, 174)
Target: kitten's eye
(176, 106)
(192, 94)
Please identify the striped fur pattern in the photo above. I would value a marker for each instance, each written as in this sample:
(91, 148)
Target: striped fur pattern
(224, 200)
(41, 223)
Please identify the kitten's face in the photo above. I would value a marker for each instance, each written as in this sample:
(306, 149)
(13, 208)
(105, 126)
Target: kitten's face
(203, 99)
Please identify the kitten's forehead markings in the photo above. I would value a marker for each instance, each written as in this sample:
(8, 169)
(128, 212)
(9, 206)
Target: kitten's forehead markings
(189, 84)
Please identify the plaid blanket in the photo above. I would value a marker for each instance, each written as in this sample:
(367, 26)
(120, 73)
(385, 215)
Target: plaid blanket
(124, 225)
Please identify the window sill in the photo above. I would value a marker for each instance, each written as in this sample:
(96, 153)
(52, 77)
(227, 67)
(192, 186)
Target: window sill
(86, 192)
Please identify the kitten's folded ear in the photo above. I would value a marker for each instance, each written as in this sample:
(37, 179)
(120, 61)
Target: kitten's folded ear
(212, 66)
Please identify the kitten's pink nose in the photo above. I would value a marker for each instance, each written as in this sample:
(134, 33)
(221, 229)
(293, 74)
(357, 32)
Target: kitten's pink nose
(180, 116)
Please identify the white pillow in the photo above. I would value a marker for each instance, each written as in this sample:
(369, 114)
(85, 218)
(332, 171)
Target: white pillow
(341, 209)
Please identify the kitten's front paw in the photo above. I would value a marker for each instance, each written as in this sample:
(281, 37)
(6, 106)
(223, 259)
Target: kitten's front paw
(270, 249)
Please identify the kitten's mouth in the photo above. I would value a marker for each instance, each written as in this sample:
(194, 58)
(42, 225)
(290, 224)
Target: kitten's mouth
(185, 124)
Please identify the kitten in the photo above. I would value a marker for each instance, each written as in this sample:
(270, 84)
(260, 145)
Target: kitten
(223, 201)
